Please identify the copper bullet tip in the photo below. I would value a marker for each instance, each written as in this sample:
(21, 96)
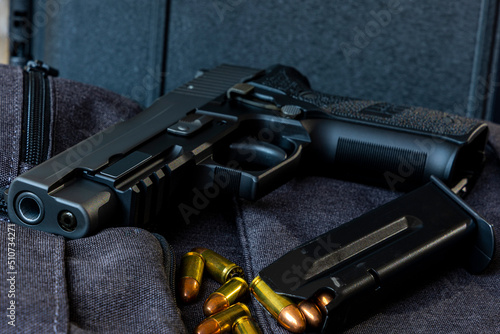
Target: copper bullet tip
(292, 319)
(312, 313)
(216, 302)
(188, 288)
(323, 299)
(208, 326)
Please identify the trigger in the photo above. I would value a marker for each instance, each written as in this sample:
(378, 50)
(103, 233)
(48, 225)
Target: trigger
(256, 155)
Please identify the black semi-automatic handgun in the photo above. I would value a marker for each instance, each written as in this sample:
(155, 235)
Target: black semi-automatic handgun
(242, 131)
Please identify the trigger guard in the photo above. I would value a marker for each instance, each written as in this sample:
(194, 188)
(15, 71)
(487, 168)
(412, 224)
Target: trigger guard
(272, 166)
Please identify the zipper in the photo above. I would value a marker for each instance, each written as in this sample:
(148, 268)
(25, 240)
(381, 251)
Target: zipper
(168, 262)
(35, 119)
(36, 112)
(171, 273)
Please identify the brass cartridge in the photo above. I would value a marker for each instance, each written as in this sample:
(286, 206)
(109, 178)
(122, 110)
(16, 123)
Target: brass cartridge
(233, 290)
(191, 273)
(223, 321)
(280, 307)
(245, 325)
(220, 268)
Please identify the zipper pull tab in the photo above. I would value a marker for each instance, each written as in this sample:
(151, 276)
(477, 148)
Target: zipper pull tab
(40, 66)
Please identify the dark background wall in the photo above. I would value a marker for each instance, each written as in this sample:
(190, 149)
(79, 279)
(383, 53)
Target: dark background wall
(438, 54)
(431, 53)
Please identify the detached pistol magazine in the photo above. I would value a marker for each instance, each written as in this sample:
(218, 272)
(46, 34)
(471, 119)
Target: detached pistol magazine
(350, 269)
(242, 131)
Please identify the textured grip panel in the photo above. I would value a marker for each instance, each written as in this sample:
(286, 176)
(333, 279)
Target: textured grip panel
(295, 85)
(231, 179)
(353, 155)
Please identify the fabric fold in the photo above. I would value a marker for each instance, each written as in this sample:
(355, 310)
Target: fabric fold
(118, 284)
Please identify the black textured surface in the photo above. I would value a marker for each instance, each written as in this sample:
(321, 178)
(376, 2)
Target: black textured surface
(414, 118)
(113, 44)
(433, 54)
(424, 54)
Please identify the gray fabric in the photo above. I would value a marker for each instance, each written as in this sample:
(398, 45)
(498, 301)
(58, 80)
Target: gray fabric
(118, 284)
(114, 282)
(36, 282)
(10, 126)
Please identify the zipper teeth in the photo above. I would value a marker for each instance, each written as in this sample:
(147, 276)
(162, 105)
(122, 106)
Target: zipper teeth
(172, 273)
(36, 127)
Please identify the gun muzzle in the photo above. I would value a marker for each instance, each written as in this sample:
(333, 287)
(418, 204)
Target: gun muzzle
(73, 211)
